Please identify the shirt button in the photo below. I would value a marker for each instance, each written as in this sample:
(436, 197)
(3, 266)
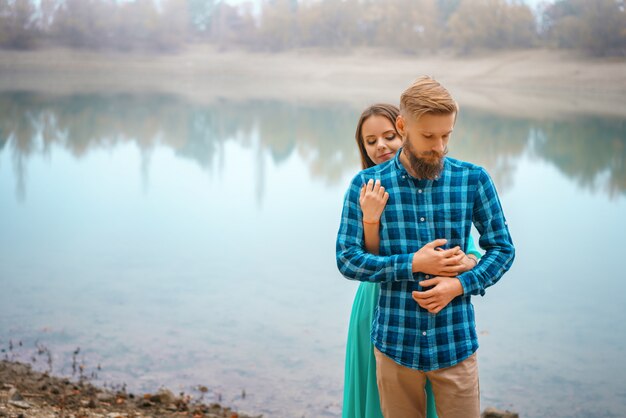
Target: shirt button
(427, 276)
(422, 219)
(419, 191)
(424, 333)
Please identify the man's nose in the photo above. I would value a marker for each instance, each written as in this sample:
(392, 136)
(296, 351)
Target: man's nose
(439, 145)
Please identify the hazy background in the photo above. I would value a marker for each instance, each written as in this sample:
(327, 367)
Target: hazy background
(408, 26)
(172, 174)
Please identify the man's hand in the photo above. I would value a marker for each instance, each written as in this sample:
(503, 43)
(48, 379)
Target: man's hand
(430, 259)
(435, 299)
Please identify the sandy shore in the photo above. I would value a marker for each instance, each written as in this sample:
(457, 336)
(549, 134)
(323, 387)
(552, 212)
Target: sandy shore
(529, 83)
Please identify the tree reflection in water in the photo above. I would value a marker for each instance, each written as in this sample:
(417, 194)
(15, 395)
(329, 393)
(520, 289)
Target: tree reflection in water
(589, 150)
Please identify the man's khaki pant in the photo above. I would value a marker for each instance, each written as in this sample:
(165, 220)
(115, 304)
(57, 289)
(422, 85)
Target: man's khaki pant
(402, 392)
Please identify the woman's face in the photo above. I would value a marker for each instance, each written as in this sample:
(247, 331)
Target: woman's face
(380, 138)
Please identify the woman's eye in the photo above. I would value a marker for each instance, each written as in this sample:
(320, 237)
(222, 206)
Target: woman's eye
(371, 142)
(428, 136)
(390, 137)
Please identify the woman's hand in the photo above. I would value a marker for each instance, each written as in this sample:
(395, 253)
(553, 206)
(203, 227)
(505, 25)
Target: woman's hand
(469, 262)
(431, 259)
(373, 200)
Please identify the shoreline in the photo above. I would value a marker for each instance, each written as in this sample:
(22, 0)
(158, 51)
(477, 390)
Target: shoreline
(26, 392)
(539, 84)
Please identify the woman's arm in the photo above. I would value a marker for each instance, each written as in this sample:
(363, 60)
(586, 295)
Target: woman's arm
(472, 255)
(373, 200)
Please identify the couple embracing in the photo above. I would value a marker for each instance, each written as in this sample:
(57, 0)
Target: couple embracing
(405, 234)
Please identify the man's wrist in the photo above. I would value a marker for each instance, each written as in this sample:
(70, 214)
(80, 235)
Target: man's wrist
(415, 263)
(459, 285)
(465, 279)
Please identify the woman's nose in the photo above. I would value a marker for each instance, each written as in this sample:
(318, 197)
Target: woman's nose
(380, 143)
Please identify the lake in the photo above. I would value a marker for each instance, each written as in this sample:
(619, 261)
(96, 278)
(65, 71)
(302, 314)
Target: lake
(179, 244)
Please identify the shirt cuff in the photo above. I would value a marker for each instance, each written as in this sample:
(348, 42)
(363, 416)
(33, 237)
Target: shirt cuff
(404, 267)
(471, 284)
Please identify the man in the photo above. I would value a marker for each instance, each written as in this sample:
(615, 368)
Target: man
(424, 322)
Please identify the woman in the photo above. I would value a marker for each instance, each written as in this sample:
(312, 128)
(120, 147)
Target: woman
(378, 140)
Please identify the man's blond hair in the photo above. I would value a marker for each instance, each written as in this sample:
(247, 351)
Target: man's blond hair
(424, 96)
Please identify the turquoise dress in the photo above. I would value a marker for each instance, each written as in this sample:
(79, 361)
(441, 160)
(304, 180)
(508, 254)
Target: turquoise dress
(360, 392)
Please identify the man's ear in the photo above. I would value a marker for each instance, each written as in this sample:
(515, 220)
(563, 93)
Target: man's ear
(400, 125)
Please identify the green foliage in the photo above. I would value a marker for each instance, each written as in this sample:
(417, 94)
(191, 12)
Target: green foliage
(95, 24)
(200, 12)
(408, 26)
(330, 24)
(231, 26)
(278, 27)
(491, 24)
(598, 27)
(17, 24)
(76, 23)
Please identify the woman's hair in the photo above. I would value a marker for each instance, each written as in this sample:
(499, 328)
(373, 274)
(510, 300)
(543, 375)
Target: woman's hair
(388, 111)
(424, 96)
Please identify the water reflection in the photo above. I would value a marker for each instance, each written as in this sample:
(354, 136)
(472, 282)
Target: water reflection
(79, 123)
(495, 143)
(590, 150)
(191, 283)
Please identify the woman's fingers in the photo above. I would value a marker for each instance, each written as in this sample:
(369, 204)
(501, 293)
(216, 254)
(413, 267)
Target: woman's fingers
(373, 185)
(454, 260)
(377, 186)
(373, 188)
(449, 252)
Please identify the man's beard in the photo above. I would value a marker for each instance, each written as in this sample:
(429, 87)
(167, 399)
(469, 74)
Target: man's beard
(424, 168)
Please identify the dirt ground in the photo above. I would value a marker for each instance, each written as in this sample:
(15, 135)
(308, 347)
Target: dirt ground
(528, 83)
(27, 393)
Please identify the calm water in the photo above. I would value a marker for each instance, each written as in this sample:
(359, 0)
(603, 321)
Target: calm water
(181, 244)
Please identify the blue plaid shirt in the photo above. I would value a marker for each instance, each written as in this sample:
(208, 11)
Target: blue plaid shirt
(418, 212)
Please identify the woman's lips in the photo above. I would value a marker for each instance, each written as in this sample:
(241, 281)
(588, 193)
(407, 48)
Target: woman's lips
(386, 157)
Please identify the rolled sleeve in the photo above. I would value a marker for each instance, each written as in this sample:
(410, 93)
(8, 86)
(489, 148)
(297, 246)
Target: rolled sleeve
(488, 217)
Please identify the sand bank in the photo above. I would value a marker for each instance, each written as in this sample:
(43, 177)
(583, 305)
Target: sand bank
(528, 83)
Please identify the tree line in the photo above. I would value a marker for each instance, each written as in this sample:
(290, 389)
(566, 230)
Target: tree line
(597, 27)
